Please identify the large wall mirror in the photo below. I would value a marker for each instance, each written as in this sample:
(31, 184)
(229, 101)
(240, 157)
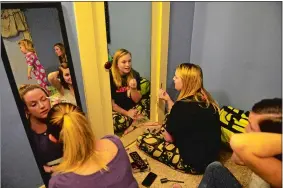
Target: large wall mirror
(129, 51)
(38, 63)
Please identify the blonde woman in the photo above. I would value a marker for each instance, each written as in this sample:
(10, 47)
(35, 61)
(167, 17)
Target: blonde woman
(26, 47)
(87, 162)
(190, 138)
(127, 103)
(36, 102)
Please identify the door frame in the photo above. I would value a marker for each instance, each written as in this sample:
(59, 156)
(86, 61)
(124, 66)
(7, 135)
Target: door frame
(92, 42)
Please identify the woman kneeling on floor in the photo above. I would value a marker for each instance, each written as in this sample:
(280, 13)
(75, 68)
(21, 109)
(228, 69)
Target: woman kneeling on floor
(87, 162)
(190, 138)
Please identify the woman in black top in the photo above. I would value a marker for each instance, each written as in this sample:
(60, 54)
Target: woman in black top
(191, 136)
(127, 102)
(43, 143)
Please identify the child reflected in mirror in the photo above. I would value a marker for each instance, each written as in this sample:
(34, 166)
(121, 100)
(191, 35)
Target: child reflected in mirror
(34, 65)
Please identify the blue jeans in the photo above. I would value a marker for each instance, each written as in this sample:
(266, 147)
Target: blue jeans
(218, 176)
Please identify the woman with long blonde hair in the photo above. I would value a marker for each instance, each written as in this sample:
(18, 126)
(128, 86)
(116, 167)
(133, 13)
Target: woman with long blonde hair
(190, 138)
(27, 48)
(127, 102)
(87, 162)
(35, 100)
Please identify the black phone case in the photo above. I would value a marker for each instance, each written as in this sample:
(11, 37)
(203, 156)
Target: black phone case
(149, 179)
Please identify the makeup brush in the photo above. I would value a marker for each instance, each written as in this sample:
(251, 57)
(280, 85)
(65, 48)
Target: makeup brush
(165, 180)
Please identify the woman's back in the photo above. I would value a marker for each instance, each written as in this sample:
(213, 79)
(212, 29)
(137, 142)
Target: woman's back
(119, 173)
(196, 132)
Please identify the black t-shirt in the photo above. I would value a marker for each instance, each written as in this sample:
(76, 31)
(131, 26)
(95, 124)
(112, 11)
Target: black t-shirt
(196, 132)
(45, 150)
(119, 95)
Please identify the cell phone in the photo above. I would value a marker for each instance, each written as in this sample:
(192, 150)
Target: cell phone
(149, 179)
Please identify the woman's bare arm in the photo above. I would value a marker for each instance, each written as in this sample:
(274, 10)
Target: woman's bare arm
(118, 109)
(135, 95)
(52, 78)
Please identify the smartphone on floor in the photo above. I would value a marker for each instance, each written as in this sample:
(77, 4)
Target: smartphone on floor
(149, 179)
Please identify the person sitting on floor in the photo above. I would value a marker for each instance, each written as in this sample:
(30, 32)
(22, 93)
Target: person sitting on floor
(265, 116)
(127, 102)
(87, 162)
(257, 150)
(190, 138)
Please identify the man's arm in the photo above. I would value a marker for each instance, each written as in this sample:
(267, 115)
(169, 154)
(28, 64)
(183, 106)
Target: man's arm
(236, 159)
(257, 151)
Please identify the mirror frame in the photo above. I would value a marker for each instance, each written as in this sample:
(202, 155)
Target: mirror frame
(9, 72)
(92, 43)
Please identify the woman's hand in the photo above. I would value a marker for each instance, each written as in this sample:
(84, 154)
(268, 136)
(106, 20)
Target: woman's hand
(163, 95)
(52, 138)
(47, 169)
(132, 113)
(133, 83)
(29, 77)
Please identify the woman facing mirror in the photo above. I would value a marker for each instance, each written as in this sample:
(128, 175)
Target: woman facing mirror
(128, 103)
(87, 162)
(190, 137)
(37, 106)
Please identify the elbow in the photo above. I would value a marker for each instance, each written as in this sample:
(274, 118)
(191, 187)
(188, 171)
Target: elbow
(50, 77)
(114, 106)
(237, 143)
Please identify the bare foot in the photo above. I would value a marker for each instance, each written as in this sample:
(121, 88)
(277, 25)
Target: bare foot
(176, 186)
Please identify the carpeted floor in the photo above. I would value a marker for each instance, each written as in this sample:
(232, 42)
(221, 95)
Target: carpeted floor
(242, 173)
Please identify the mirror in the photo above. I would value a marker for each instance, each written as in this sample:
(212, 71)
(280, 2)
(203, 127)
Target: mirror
(128, 27)
(38, 63)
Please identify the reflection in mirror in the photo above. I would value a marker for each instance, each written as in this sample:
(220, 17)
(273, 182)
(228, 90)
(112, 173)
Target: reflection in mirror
(37, 60)
(37, 52)
(129, 51)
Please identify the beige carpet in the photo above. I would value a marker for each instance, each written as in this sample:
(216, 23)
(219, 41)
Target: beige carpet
(242, 173)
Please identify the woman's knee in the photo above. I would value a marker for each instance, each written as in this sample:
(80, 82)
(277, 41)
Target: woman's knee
(213, 166)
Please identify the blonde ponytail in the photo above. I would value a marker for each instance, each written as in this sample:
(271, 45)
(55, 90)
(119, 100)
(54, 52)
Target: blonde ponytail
(76, 135)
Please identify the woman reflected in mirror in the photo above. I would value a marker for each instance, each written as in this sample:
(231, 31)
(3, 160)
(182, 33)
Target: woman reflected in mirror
(62, 81)
(127, 101)
(60, 51)
(37, 106)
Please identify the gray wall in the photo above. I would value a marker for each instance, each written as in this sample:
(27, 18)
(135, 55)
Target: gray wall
(238, 45)
(18, 167)
(180, 35)
(45, 31)
(17, 60)
(130, 28)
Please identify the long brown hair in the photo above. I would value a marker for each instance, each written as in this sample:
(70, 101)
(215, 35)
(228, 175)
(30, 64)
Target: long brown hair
(115, 70)
(63, 57)
(192, 78)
